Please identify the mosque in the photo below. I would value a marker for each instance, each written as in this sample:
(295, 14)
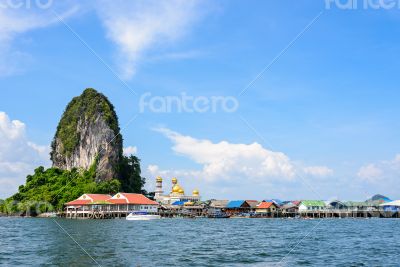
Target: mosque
(177, 194)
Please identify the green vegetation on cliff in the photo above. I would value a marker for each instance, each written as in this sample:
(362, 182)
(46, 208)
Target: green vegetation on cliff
(53, 187)
(86, 106)
(48, 190)
(130, 175)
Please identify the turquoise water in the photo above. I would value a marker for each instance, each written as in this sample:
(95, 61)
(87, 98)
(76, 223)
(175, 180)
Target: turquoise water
(200, 242)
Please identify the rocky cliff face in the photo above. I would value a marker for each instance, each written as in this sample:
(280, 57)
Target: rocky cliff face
(88, 134)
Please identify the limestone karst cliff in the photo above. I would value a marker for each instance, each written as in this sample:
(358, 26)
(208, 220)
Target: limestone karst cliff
(88, 133)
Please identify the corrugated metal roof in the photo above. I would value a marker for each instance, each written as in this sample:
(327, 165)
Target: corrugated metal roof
(296, 202)
(99, 197)
(355, 204)
(289, 205)
(138, 199)
(78, 202)
(179, 203)
(252, 203)
(235, 204)
(276, 201)
(313, 203)
(392, 203)
(219, 203)
(265, 205)
(130, 198)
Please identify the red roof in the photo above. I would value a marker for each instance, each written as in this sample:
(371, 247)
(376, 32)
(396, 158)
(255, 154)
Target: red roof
(265, 205)
(99, 197)
(132, 198)
(296, 203)
(94, 197)
(78, 202)
(118, 201)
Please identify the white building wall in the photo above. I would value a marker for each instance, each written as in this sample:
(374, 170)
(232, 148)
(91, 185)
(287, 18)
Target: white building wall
(303, 207)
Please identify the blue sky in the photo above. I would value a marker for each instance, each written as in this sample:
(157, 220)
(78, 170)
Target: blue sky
(323, 115)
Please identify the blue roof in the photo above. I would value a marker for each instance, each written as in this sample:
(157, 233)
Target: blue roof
(276, 201)
(235, 204)
(179, 203)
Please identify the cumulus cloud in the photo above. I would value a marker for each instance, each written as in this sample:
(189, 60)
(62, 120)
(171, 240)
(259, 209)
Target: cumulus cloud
(319, 171)
(376, 172)
(228, 161)
(137, 26)
(235, 169)
(130, 150)
(18, 156)
(370, 173)
(225, 160)
(155, 170)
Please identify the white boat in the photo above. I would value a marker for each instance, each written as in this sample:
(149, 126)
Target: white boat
(142, 216)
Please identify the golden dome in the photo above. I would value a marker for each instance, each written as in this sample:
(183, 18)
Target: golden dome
(159, 179)
(195, 192)
(174, 180)
(176, 188)
(181, 191)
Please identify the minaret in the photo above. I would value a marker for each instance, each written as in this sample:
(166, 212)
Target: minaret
(158, 192)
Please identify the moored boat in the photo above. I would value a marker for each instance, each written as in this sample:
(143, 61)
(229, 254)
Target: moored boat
(218, 215)
(142, 216)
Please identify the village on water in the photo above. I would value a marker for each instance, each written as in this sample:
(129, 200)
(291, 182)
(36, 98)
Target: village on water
(179, 204)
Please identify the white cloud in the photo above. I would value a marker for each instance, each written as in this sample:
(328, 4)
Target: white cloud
(18, 156)
(225, 160)
(381, 177)
(17, 21)
(370, 173)
(235, 170)
(130, 150)
(154, 170)
(137, 26)
(223, 165)
(319, 171)
(388, 170)
(396, 163)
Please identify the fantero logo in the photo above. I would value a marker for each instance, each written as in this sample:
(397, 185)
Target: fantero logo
(185, 103)
(25, 4)
(362, 4)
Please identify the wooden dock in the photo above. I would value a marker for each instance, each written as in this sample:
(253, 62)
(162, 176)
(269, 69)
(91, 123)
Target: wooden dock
(198, 212)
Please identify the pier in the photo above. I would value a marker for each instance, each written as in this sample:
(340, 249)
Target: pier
(105, 212)
(177, 204)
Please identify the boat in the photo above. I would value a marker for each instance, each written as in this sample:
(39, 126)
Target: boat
(218, 215)
(142, 216)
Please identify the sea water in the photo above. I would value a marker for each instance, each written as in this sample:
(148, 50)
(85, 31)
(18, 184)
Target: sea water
(199, 242)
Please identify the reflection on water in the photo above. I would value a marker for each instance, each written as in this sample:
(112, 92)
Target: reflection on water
(201, 242)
